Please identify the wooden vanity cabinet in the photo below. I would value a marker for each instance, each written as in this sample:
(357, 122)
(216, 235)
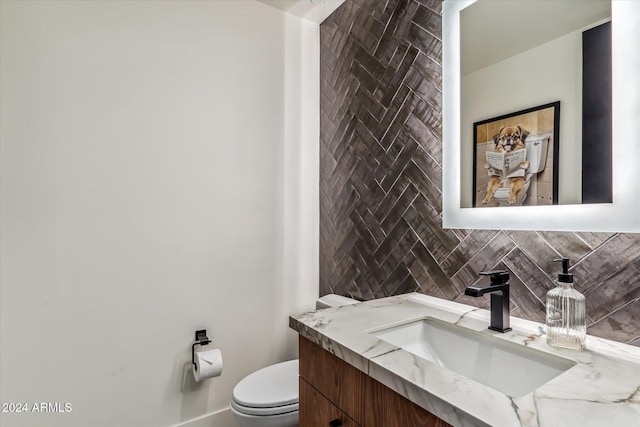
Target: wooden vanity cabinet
(334, 393)
(318, 411)
(387, 408)
(339, 383)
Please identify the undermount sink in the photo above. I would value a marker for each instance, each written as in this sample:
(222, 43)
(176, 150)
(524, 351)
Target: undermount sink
(512, 369)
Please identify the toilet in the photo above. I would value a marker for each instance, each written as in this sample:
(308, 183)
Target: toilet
(269, 396)
(537, 157)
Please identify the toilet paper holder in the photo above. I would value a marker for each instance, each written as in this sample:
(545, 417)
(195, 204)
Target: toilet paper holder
(201, 339)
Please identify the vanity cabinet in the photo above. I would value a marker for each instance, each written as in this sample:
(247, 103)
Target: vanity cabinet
(385, 407)
(340, 383)
(334, 393)
(318, 411)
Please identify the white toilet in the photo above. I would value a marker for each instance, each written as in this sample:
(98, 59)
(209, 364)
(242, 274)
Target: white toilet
(269, 396)
(537, 157)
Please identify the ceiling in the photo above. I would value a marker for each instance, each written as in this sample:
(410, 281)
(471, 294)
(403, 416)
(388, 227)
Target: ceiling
(494, 30)
(315, 11)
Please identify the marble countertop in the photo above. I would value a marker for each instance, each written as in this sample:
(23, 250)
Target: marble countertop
(602, 389)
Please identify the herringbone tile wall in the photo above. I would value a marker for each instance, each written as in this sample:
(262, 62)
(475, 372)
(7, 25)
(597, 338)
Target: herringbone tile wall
(380, 184)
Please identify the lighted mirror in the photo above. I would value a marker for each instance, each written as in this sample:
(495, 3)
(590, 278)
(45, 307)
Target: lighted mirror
(509, 71)
(517, 83)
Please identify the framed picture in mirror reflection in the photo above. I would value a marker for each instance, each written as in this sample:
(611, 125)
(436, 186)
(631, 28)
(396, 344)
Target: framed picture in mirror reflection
(515, 158)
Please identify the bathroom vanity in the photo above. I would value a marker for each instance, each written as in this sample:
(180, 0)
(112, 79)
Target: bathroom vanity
(423, 361)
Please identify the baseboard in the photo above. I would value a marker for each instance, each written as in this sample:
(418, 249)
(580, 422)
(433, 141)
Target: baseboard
(222, 418)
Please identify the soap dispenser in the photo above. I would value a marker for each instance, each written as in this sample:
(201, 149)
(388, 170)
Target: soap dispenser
(566, 320)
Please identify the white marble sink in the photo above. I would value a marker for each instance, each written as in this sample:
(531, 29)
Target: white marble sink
(512, 369)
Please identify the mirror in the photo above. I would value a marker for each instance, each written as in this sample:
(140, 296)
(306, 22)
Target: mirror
(617, 216)
(510, 65)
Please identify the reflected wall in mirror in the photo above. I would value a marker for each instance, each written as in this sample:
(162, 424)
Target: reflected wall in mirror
(618, 216)
(518, 54)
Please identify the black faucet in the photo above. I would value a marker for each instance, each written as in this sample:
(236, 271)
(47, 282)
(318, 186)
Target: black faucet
(499, 289)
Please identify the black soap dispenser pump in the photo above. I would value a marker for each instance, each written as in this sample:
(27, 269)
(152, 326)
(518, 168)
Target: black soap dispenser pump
(566, 318)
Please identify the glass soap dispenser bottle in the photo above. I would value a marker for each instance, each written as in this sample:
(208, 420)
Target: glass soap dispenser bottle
(566, 320)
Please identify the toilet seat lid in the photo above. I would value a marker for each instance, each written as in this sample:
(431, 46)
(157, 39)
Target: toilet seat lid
(275, 385)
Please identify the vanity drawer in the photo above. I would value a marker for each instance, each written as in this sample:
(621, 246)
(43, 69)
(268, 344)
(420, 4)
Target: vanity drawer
(317, 411)
(338, 381)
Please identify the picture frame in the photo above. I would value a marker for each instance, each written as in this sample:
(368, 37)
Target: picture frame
(515, 158)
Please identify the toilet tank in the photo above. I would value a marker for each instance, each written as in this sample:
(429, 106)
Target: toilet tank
(537, 154)
(333, 300)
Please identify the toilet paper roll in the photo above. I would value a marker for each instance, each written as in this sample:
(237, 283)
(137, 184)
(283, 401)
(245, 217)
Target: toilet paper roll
(208, 364)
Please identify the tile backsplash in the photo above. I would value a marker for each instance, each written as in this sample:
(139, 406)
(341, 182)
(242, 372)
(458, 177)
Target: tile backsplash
(381, 178)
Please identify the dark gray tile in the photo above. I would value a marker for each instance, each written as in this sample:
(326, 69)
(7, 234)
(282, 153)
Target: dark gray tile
(367, 31)
(608, 258)
(621, 325)
(428, 43)
(424, 136)
(428, 166)
(435, 5)
(390, 197)
(364, 103)
(401, 205)
(430, 70)
(529, 305)
(387, 176)
(391, 241)
(429, 93)
(431, 117)
(424, 185)
(473, 243)
(595, 239)
(400, 282)
(398, 253)
(529, 274)
(567, 244)
(426, 223)
(399, 75)
(394, 280)
(429, 20)
(429, 275)
(485, 259)
(537, 249)
(615, 292)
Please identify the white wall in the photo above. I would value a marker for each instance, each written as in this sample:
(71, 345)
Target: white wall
(154, 182)
(544, 74)
(301, 215)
